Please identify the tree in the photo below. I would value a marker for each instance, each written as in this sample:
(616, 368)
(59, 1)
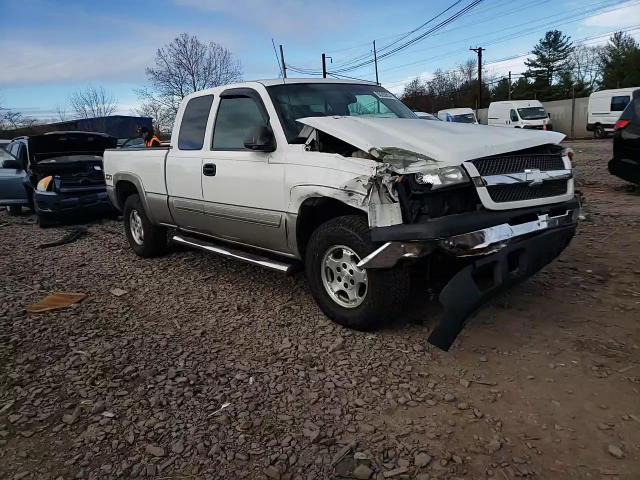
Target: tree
(187, 65)
(160, 115)
(61, 113)
(620, 61)
(551, 56)
(586, 70)
(93, 102)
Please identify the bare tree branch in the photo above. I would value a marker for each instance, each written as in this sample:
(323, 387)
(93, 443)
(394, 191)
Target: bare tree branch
(61, 113)
(187, 65)
(93, 102)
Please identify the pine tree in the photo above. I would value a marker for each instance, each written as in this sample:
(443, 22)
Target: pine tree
(551, 56)
(621, 62)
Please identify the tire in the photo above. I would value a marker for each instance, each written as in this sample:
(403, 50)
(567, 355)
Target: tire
(385, 290)
(599, 132)
(146, 240)
(14, 210)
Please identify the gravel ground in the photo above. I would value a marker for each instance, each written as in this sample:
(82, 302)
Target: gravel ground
(193, 366)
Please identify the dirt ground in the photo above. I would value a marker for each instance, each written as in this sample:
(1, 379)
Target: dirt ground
(192, 366)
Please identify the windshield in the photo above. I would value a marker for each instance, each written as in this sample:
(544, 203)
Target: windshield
(532, 113)
(465, 118)
(300, 100)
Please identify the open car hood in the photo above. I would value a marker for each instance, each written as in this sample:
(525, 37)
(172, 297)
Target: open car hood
(447, 143)
(61, 144)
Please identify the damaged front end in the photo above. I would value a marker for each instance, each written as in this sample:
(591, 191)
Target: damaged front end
(420, 207)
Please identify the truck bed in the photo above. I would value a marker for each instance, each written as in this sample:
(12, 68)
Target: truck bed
(146, 164)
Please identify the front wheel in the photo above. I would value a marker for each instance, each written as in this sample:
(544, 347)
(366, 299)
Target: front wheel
(145, 239)
(350, 296)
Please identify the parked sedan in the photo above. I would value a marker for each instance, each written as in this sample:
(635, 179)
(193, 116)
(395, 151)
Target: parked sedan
(60, 174)
(626, 143)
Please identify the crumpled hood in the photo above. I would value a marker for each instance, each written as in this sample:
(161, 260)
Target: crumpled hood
(445, 142)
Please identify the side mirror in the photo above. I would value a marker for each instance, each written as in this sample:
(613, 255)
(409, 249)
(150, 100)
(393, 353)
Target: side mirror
(12, 164)
(261, 139)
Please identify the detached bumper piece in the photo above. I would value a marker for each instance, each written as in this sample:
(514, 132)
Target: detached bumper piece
(484, 278)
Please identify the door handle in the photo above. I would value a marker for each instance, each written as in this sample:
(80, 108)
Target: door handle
(209, 169)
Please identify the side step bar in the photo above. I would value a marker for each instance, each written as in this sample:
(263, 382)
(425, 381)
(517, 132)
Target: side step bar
(228, 252)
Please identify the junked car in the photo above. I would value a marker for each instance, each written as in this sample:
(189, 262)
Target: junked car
(341, 178)
(58, 174)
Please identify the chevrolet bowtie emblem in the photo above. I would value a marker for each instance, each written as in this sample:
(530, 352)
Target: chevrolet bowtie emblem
(534, 177)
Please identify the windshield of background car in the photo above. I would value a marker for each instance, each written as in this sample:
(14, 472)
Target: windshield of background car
(300, 100)
(532, 113)
(465, 118)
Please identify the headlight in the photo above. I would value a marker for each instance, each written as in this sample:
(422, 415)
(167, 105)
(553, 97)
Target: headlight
(442, 177)
(43, 185)
(568, 152)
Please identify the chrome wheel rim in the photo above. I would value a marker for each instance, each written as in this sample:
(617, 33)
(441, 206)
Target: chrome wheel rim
(345, 283)
(135, 226)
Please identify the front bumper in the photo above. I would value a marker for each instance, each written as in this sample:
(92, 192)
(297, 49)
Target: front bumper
(56, 205)
(485, 277)
(467, 234)
(497, 249)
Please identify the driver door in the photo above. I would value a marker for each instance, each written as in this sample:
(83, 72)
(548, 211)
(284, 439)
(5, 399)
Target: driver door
(244, 198)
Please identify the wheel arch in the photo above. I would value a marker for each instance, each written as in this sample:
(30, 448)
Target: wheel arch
(314, 211)
(127, 184)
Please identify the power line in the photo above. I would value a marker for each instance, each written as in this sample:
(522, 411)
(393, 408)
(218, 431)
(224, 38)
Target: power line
(512, 36)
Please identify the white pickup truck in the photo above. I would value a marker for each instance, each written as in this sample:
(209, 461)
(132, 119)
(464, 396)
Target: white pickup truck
(342, 178)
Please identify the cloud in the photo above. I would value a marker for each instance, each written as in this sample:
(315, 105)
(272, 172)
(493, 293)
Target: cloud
(619, 18)
(34, 63)
(281, 17)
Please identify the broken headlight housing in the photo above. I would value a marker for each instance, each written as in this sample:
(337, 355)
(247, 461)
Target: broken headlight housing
(44, 184)
(442, 177)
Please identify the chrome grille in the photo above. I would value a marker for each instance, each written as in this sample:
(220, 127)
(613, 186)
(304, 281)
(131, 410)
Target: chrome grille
(505, 164)
(521, 191)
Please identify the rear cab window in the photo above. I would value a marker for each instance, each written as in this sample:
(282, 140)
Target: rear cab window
(194, 123)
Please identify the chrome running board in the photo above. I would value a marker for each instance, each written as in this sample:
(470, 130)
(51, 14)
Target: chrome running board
(228, 252)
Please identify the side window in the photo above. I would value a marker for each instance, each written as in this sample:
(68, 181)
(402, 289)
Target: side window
(619, 103)
(237, 117)
(514, 115)
(194, 123)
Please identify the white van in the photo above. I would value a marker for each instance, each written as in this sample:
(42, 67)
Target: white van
(458, 115)
(519, 114)
(605, 108)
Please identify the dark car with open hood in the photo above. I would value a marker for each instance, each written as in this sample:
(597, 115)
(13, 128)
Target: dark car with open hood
(626, 143)
(59, 175)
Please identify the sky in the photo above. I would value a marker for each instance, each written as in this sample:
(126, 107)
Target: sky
(50, 48)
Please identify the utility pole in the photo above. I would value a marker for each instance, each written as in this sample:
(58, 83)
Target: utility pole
(324, 66)
(284, 65)
(573, 111)
(509, 98)
(479, 51)
(375, 61)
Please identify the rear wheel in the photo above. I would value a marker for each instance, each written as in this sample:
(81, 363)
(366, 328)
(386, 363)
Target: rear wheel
(599, 131)
(351, 296)
(145, 239)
